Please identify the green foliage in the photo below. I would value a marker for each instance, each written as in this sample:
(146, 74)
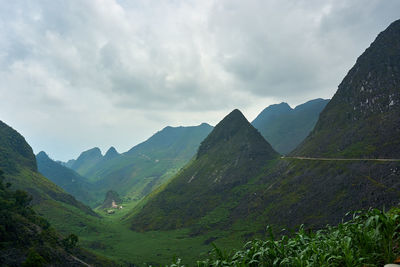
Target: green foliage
(70, 242)
(34, 259)
(22, 199)
(23, 232)
(371, 238)
(14, 151)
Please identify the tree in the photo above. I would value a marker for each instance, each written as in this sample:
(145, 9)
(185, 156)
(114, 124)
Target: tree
(70, 242)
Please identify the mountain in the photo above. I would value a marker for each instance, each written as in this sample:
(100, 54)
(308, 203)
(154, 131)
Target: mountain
(86, 160)
(363, 118)
(15, 151)
(65, 178)
(27, 239)
(288, 192)
(231, 154)
(68, 164)
(137, 172)
(285, 127)
(111, 153)
(18, 163)
(361, 121)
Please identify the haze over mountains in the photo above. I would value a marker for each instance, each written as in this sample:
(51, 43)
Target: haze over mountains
(285, 128)
(148, 165)
(202, 184)
(289, 192)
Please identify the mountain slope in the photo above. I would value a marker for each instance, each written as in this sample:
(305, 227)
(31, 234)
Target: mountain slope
(14, 151)
(361, 121)
(231, 154)
(287, 192)
(284, 128)
(86, 161)
(146, 166)
(27, 239)
(65, 178)
(19, 169)
(363, 117)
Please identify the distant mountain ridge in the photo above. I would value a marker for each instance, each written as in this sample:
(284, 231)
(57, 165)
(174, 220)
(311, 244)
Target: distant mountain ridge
(86, 160)
(285, 128)
(145, 166)
(66, 178)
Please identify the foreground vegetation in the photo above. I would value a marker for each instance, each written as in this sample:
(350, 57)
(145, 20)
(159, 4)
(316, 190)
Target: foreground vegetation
(369, 239)
(27, 239)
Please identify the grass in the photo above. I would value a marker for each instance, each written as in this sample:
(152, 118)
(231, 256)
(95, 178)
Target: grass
(116, 241)
(111, 237)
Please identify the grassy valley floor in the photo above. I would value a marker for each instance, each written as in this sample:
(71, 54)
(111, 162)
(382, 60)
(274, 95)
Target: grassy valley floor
(110, 237)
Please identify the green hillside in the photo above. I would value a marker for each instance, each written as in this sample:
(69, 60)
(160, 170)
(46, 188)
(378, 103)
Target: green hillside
(229, 191)
(363, 118)
(19, 166)
(65, 178)
(27, 239)
(86, 160)
(14, 151)
(231, 154)
(148, 165)
(285, 128)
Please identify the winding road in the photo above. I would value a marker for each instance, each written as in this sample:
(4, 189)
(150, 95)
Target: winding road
(341, 159)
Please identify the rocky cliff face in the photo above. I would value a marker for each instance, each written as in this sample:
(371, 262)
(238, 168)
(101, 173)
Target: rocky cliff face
(363, 117)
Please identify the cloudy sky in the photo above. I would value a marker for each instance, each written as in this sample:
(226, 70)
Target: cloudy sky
(78, 74)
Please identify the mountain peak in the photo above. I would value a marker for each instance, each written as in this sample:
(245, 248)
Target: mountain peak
(285, 128)
(90, 153)
(363, 117)
(270, 112)
(231, 154)
(42, 154)
(15, 150)
(86, 160)
(111, 153)
(234, 125)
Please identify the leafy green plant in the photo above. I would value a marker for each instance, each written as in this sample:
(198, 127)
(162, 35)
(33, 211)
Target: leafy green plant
(370, 238)
(70, 242)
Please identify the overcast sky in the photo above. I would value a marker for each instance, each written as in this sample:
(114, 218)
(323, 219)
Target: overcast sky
(79, 74)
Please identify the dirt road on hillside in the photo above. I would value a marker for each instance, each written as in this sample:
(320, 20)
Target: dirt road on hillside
(340, 159)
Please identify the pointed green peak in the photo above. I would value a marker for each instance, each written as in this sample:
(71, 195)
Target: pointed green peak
(42, 155)
(235, 128)
(111, 152)
(91, 153)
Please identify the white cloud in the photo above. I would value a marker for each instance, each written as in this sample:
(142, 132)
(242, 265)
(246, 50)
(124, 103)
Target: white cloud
(78, 74)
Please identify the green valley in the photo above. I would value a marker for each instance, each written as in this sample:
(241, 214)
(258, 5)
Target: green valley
(314, 185)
